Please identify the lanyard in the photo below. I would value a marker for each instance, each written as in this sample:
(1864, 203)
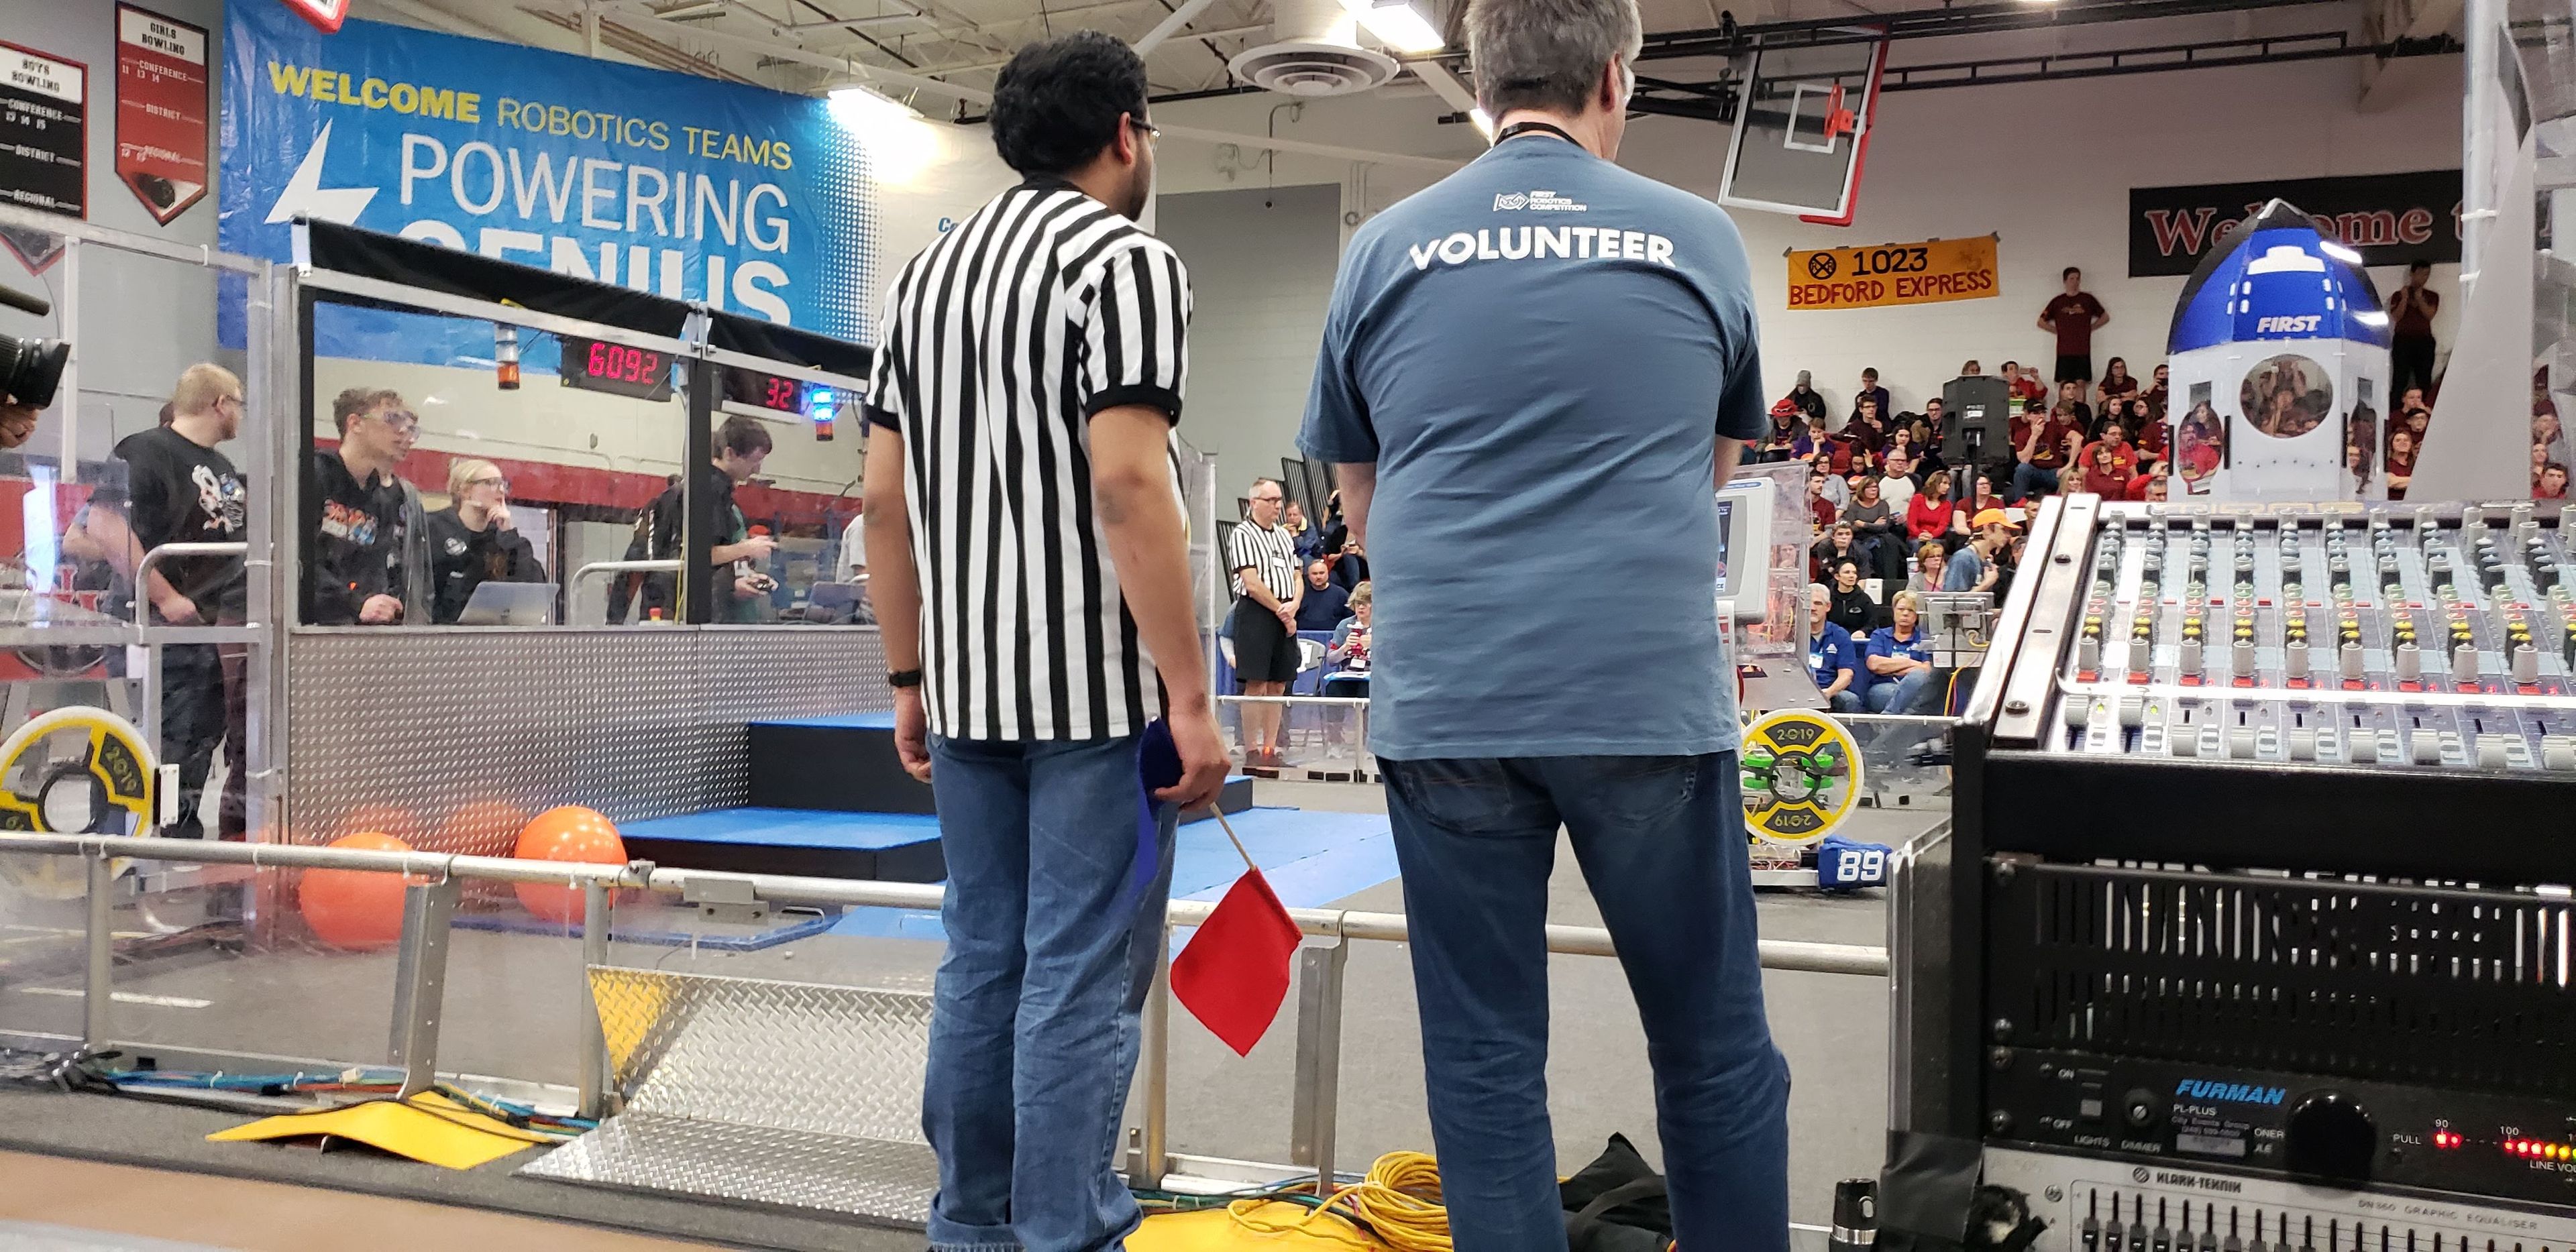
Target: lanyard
(1518, 129)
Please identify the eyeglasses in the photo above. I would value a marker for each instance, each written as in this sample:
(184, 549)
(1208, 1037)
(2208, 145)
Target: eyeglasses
(1267, 499)
(1151, 130)
(400, 422)
(502, 483)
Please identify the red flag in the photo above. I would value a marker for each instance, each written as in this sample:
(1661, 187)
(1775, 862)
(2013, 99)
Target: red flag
(1235, 971)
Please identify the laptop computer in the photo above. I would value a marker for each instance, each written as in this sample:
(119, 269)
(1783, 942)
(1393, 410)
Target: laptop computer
(509, 604)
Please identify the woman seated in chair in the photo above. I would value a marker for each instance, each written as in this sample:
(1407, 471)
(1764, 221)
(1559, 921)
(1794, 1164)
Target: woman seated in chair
(1350, 649)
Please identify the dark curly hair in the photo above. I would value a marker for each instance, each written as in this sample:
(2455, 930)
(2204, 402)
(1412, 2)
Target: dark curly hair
(1057, 104)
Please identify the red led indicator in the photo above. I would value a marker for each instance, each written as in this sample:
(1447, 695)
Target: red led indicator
(2445, 1139)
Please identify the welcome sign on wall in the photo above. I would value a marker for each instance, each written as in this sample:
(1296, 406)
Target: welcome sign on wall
(750, 200)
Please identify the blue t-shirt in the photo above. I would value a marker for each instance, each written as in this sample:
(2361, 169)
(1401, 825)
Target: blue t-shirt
(1831, 651)
(1883, 642)
(1965, 568)
(1540, 353)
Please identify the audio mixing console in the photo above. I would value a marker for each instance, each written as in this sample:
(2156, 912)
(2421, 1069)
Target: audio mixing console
(2254, 929)
(2395, 637)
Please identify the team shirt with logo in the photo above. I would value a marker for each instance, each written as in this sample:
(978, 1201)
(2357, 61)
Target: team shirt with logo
(182, 493)
(1540, 354)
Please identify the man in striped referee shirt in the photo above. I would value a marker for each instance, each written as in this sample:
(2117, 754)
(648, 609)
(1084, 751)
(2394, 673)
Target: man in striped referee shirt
(1263, 557)
(1031, 576)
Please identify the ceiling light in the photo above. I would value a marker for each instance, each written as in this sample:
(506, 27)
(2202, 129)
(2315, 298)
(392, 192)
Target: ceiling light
(1399, 26)
(855, 104)
(1484, 123)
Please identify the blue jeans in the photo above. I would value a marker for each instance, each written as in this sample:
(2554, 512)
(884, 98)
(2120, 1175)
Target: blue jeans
(2028, 478)
(1914, 693)
(1844, 701)
(1052, 944)
(1661, 842)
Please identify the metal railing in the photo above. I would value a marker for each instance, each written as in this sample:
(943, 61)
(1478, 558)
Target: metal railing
(431, 894)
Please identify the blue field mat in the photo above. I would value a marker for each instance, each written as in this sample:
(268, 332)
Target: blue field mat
(791, 828)
(782, 928)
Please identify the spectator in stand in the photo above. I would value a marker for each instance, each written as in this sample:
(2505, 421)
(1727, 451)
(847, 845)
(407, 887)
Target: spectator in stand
(2150, 487)
(1930, 514)
(1309, 537)
(2552, 484)
(1804, 395)
(1974, 566)
(1925, 447)
(2160, 393)
(2124, 454)
(1349, 650)
(2021, 385)
(2401, 460)
(1324, 605)
(1830, 655)
(1841, 543)
(1812, 443)
(1853, 610)
(1817, 505)
(2070, 400)
(1874, 527)
(1896, 485)
(1936, 415)
(2043, 449)
(1350, 565)
(2073, 315)
(1899, 661)
(2117, 384)
(2103, 475)
(1779, 435)
(2145, 430)
(1931, 563)
(1867, 427)
(1870, 390)
(2410, 334)
(1982, 498)
(1970, 369)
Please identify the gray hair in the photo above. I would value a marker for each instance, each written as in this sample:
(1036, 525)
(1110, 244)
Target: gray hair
(1547, 54)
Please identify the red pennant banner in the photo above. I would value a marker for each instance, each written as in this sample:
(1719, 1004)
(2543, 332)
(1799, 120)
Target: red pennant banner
(1234, 974)
(326, 15)
(161, 110)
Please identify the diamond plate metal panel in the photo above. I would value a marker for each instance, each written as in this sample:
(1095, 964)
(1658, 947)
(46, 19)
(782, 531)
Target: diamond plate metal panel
(447, 733)
(890, 1182)
(816, 1060)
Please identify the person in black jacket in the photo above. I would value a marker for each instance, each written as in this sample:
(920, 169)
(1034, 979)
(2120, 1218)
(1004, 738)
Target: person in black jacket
(741, 590)
(368, 560)
(473, 540)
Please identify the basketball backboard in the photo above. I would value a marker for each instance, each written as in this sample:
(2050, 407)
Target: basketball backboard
(1802, 130)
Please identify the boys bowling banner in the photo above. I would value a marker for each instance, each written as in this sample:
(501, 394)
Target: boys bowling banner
(750, 200)
(160, 111)
(2391, 219)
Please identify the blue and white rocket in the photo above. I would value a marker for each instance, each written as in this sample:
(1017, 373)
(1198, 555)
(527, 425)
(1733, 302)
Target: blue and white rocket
(2279, 359)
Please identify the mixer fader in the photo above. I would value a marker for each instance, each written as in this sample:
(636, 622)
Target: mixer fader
(2387, 636)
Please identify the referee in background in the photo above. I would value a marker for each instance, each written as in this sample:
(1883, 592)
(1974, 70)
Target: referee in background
(1031, 577)
(1263, 557)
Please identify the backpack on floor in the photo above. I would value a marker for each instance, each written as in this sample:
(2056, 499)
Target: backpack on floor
(1617, 1204)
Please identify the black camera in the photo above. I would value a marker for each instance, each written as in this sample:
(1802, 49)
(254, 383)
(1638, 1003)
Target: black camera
(31, 369)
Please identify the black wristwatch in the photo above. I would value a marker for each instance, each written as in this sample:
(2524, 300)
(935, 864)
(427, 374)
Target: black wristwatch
(904, 678)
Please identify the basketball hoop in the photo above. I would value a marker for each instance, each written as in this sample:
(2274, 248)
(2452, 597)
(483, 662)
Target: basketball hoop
(326, 15)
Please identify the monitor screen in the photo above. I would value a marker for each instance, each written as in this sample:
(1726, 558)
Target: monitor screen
(1725, 544)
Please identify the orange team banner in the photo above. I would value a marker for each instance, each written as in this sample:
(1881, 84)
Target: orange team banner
(1886, 275)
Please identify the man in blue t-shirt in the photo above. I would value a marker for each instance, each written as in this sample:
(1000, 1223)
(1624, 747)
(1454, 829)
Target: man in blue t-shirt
(1535, 372)
(1831, 657)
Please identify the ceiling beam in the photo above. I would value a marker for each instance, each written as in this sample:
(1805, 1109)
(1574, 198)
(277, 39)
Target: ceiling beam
(876, 74)
(1964, 19)
(1303, 148)
(1171, 25)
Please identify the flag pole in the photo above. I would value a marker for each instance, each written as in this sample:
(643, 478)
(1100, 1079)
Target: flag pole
(1231, 836)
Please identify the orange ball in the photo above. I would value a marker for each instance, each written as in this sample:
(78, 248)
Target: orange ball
(569, 833)
(356, 910)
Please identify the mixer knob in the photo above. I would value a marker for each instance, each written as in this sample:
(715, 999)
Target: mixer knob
(2244, 658)
(2133, 711)
(2526, 663)
(2303, 743)
(2495, 751)
(2331, 1136)
(2428, 748)
(2088, 653)
(2464, 663)
(2558, 752)
(2348, 660)
(2191, 654)
(2410, 662)
(2295, 659)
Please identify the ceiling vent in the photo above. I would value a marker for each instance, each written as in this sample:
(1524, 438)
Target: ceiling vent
(1313, 51)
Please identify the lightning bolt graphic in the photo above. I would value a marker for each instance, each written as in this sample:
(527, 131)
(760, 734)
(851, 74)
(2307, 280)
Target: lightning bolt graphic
(305, 195)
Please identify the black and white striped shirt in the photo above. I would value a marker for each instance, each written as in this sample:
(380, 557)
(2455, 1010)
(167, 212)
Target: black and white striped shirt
(1270, 552)
(997, 345)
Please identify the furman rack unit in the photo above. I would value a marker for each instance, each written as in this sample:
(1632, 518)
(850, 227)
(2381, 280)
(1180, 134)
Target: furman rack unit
(2252, 931)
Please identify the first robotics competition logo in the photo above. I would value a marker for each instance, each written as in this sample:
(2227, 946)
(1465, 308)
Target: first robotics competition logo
(2279, 355)
(752, 201)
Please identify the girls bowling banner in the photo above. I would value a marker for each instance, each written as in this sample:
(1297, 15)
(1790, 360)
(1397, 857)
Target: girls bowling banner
(160, 111)
(750, 200)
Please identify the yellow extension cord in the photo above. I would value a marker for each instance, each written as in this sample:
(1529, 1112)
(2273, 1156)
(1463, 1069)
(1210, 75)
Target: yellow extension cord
(1399, 1200)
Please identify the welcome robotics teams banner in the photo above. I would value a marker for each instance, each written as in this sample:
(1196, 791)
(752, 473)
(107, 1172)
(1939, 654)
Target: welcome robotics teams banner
(750, 200)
